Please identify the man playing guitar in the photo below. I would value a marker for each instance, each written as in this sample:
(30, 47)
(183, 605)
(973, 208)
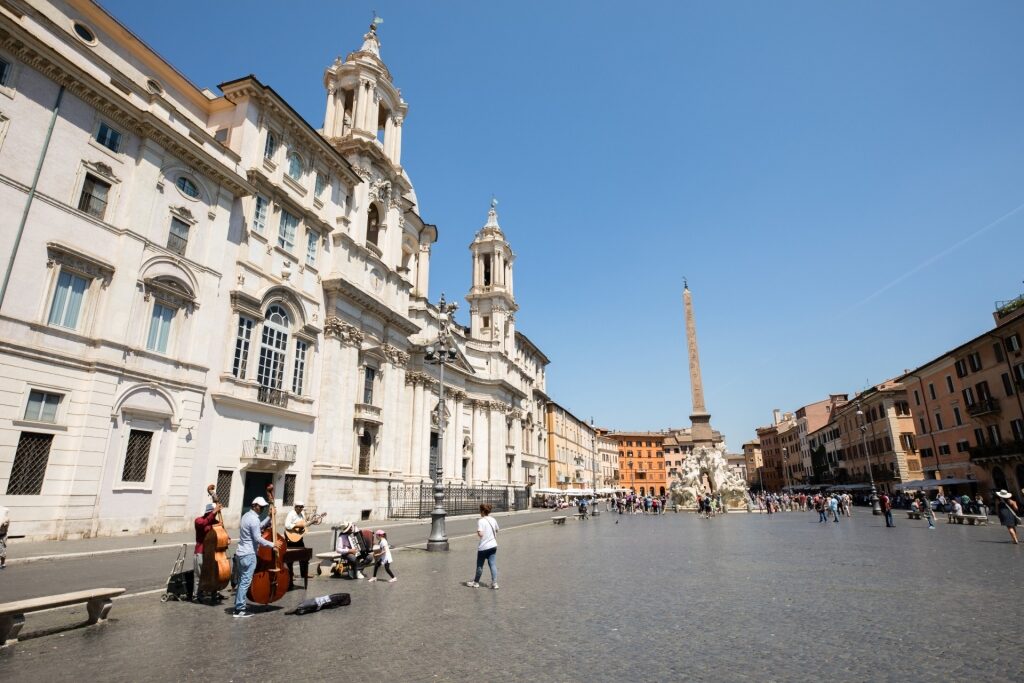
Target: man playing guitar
(295, 525)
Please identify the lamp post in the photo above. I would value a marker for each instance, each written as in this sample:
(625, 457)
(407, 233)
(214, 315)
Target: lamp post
(876, 508)
(441, 353)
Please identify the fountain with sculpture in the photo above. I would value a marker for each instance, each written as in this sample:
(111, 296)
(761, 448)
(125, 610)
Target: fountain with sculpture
(704, 471)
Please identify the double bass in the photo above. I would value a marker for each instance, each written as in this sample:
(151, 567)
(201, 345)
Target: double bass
(216, 567)
(272, 577)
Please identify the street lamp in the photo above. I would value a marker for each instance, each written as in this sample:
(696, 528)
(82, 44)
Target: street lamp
(440, 354)
(785, 464)
(876, 509)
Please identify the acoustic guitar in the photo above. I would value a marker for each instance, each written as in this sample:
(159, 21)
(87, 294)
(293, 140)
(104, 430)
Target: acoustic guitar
(295, 534)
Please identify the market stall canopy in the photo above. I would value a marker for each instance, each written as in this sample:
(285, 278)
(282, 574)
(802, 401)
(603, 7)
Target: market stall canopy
(922, 484)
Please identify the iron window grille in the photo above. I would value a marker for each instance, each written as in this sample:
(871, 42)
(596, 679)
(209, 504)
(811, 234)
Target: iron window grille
(30, 460)
(224, 486)
(136, 458)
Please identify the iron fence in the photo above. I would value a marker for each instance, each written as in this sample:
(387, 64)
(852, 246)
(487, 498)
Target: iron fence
(416, 501)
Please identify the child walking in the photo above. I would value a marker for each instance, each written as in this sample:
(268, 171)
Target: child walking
(382, 556)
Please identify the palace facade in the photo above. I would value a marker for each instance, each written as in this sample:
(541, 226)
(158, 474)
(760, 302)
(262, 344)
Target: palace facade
(204, 289)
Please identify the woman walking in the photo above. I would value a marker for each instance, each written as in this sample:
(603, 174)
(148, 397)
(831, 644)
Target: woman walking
(487, 549)
(1008, 513)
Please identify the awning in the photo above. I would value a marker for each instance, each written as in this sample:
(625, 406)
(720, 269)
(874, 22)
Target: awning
(922, 484)
(851, 487)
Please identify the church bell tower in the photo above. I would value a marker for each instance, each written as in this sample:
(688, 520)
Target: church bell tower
(492, 304)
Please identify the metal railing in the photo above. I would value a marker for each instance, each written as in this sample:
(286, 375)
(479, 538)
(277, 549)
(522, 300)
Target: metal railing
(997, 449)
(272, 396)
(416, 501)
(984, 407)
(92, 204)
(257, 449)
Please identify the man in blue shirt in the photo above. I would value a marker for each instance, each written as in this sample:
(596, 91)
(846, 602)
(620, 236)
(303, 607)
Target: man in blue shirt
(249, 536)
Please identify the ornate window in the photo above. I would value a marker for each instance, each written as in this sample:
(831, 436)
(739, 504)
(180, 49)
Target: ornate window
(286, 231)
(66, 307)
(177, 237)
(93, 199)
(108, 137)
(369, 375)
(187, 187)
(312, 243)
(160, 327)
(270, 147)
(299, 375)
(259, 215)
(242, 341)
(295, 166)
(321, 184)
(273, 348)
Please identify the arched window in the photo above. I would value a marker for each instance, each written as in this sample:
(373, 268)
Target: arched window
(273, 348)
(187, 187)
(372, 225)
(295, 166)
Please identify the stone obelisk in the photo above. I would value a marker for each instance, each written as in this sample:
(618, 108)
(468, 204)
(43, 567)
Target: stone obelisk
(700, 419)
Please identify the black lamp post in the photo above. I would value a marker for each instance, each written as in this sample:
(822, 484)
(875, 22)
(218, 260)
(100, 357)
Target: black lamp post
(442, 353)
(876, 508)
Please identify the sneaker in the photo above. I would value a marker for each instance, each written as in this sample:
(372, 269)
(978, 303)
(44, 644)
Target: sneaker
(359, 575)
(371, 579)
(494, 586)
(392, 580)
(242, 615)
(471, 584)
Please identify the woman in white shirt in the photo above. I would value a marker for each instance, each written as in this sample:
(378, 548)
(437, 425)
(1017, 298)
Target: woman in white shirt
(487, 549)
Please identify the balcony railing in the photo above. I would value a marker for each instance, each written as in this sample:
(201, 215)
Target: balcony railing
(997, 449)
(368, 413)
(272, 396)
(92, 204)
(984, 407)
(268, 451)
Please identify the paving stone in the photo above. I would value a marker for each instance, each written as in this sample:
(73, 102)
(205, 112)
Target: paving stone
(740, 597)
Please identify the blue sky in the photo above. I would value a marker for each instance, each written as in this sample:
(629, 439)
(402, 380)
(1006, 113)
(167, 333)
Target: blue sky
(826, 174)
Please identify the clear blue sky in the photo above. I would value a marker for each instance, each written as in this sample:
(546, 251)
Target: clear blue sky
(792, 159)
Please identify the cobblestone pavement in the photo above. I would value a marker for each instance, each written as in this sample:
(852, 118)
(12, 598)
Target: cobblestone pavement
(740, 597)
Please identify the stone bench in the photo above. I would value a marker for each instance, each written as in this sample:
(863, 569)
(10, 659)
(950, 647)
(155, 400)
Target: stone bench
(560, 519)
(12, 614)
(970, 519)
(911, 514)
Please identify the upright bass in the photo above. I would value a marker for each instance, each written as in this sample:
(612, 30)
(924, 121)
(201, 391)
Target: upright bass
(272, 577)
(216, 566)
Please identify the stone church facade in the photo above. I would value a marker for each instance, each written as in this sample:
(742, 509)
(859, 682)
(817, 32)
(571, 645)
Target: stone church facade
(204, 289)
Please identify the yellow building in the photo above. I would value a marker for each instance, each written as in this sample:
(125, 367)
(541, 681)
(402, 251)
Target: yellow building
(570, 449)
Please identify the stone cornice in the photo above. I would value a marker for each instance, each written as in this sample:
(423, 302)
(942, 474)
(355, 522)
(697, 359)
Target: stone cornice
(370, 304)
(395, 356)
(113, 105)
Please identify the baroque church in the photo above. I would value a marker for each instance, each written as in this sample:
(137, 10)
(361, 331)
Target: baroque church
(204, 289)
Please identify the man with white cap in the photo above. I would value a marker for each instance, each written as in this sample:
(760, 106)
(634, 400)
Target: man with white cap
(296, 522)
(249, 536)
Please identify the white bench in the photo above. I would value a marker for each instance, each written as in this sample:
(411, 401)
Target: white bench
(970, 519)
(560, 519)
(12, 614)
(331, 558)
(913, 514)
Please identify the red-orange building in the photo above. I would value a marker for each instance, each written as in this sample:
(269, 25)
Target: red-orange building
(642, 462)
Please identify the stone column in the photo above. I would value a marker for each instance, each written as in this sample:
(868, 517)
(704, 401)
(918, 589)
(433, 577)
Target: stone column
(453, 437)
(429, 402)
(393, 387)
(478, 464)
(396, 149)
(331, 117)
(338, 387)
(389, 137)
(415, 379)
(423, 271)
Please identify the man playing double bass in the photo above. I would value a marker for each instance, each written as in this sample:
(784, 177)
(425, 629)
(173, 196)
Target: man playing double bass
(203, 524)
(249, 536)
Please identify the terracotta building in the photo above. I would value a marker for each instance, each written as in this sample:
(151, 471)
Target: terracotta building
(752, 458)
(642, 462)
(968, 410)
(773, 475)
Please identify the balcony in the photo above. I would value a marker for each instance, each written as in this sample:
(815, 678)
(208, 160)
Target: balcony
(272, 397)
(368, 413)
(997, 450)
(255, 450)
(986, 406)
